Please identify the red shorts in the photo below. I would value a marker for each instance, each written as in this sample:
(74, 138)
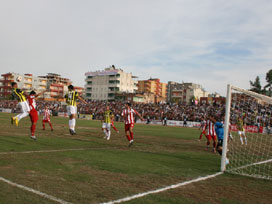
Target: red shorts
(127, 126)
(33, 114)
(46, 121)
(209, 137)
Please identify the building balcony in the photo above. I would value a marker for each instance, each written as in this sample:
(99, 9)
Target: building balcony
(114, 82)
(88, 86)
(114, 85)
(42, 83)
(55, 90)
(5, 87)
(177, 96)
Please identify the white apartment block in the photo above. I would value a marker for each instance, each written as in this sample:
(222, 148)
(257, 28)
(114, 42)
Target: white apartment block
(27, 83)
(103, 85)
(186, 92)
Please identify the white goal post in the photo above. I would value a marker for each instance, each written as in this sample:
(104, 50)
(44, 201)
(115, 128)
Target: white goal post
(247, 141)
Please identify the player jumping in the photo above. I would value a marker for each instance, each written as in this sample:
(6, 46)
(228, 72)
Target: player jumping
(71, 98)
(33, 114)
(22, 103)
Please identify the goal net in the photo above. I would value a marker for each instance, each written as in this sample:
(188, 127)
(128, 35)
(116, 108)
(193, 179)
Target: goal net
(247, 134)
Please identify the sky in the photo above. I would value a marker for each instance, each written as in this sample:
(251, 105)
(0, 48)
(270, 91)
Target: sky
(208, 42)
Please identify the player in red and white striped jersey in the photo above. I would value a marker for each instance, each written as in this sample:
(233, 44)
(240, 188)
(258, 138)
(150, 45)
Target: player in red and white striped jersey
(128, 115)
(46, 118)
(33, 114)
(211, 135)
(202, 128)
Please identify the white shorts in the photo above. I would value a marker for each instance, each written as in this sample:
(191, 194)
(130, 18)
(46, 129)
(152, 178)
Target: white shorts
(106, 125)
(24, 107)
(71, 110)
(241, 132)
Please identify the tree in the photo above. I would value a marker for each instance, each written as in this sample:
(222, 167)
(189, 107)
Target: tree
(269, 82)
(256, 85)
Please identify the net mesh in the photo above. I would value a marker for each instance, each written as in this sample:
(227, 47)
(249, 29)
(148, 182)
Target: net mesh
(249, 147)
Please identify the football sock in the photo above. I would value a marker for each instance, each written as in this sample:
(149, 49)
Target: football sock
(73, 123)
(70, 124)
(241, 140)
(128, 137)
(109, 134)
(33, 128)
(50, 125)
(245, 140)
(105, 132)
(214, 144)
(114, 128)
(131, 135)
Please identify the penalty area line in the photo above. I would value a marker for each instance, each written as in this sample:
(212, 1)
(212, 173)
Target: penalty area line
(44, 195)
(164, 189)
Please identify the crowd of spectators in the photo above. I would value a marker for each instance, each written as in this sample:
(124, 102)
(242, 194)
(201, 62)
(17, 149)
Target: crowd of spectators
(252, 111)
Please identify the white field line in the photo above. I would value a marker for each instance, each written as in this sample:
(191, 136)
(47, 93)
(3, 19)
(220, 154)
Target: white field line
(34, 191)
(163, 189)
(49, 151)
(261, 162)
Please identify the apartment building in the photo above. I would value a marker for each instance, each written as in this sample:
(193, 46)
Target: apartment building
(185, 93)
(28, 83)
(153, 86)
(105, 84)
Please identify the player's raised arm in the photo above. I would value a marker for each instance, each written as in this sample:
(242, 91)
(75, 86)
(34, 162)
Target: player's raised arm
(39, 94)
(82, 100)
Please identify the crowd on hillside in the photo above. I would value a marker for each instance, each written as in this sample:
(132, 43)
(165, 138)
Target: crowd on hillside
(252, 112)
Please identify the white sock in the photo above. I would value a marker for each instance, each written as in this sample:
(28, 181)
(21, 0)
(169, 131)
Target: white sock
(73, 123)
(70, 124)
(109, 134)
(245, 140)
(105, 132)
(241, 140)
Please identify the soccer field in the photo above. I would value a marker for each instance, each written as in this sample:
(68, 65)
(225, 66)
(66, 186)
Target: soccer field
(85, 168)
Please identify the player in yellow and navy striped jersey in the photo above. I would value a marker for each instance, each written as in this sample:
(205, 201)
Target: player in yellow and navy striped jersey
(71, 101)
(106, 122)
(18, 95)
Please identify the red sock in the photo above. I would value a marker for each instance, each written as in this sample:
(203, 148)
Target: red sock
(131, 135)
(128, 137)
(50, 125)
(200, 136)
(114, 128)
(43, 125)
(33, 128)
(214, 144)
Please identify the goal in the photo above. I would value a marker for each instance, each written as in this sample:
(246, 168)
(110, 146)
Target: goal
(247, 146)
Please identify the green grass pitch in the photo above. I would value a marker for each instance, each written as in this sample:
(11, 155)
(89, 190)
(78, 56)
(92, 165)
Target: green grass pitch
(89, 169)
